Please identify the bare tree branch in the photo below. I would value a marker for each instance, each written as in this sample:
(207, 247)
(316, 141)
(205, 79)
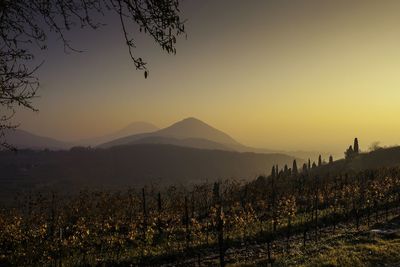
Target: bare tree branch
(26, 23)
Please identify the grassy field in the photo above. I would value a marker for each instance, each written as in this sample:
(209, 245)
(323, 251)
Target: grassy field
(365, 248)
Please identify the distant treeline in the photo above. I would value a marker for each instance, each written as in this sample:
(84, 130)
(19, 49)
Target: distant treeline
(124, 166)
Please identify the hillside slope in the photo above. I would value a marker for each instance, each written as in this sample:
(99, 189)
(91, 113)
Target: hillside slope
(131, 129)
(380, 158)
(22, 139)
(132, 165)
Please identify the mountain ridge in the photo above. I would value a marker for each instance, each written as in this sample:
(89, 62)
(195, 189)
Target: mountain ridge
(22, 139)
(136, 127)
(192, 128)
(187, 128)
(188, 132)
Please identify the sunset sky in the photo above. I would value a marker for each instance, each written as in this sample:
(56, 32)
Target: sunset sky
(308, 75)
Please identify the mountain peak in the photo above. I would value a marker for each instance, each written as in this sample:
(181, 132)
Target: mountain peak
(189, 128)
(194, 128)
(188, 119)
(191, 121)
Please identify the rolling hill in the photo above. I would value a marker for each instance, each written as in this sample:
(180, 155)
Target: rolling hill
(22, 139)
(132, 129)
(380, 158)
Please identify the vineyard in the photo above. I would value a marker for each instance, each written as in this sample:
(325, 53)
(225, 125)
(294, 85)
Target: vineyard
(180, 225)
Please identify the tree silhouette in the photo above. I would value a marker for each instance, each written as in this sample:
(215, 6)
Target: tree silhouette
(319, 160)
(309, 164)
(305, 167)
(294, 167)
(330, 159)
(314, 165)
(25, 24)
(349, 152)
(355, 146)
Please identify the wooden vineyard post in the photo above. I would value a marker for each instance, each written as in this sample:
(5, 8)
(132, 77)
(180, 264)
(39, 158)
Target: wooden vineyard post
(269, 252)
(192, 203)
(270, 238)
(335, 202)
(220, 225)
(186, 222)
(273, 204)
(144, 215)
(316, 213)
(159, 204)
(159, 221)
(60, 245)
(289, 225)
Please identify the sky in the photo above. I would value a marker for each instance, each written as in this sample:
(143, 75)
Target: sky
(288, 75)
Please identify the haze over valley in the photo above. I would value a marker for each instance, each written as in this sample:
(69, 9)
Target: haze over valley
(186, 152)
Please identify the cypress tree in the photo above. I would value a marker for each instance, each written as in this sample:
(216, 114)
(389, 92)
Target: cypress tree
(294, 168)
(349, 152)
(355, 147)
(273, 171)
(314, 165)
(330, 159)
(319, 160)
(305, 167)
(309, 164)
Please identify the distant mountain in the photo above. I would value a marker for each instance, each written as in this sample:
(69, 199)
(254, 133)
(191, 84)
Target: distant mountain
(181, 133)
(22, 139)
(131, 129)
(192, 132)
(130, 165)
(195, 128)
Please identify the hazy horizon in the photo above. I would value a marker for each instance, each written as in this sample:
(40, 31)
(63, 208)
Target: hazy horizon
(280, 75)
(339, 153)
